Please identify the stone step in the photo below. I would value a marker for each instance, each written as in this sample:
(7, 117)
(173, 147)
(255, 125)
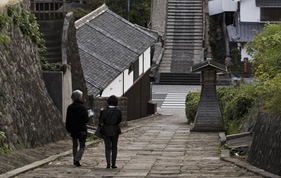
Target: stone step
(178, 11)
(184, 2)
(166, 62)
(180, 33)
(184, 41)
(190, 37)
(184, 25)
(185, 14)
(54, 60)
(185, 6)
(184, 28)
(52, 55)
(187, 45)
(183, 48)
(184, 18)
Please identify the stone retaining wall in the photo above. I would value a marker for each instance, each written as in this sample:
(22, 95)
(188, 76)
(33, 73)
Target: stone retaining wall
(265, 149)
(28, 115)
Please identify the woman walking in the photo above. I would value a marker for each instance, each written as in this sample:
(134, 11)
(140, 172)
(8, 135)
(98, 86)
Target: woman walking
(110, 119)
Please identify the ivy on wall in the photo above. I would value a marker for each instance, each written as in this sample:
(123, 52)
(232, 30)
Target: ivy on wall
(5, 20)
(29, 27)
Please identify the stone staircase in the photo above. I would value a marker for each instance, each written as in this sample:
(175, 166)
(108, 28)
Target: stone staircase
(179, 79)
(52, 31)
(184, 36)
(208, 116)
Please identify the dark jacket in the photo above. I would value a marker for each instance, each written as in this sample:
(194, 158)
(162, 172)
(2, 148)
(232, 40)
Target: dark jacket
(110, 118)
(76, 119)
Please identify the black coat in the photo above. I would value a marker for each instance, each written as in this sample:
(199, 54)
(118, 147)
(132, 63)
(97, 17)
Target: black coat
(76, 119)
(110, 118)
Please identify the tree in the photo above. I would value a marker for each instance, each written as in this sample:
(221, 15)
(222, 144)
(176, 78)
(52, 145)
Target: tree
(265, 49)
(139, 9)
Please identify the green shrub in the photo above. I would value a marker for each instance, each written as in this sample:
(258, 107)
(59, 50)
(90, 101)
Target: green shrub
(92, 137)
(191, 105)
(236, 103)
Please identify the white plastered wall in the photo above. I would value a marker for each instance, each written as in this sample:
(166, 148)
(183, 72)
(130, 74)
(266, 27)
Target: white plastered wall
(141, 62)
(114, 88)
(117, 87)
(244, 53)
(128, 79)
(147, 62)
(249, 12)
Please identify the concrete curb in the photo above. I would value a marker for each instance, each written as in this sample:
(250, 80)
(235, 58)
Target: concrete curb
(225, 156)
(37, 164)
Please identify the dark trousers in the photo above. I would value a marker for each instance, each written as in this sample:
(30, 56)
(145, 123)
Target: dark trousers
(111, 145)
(77, 155)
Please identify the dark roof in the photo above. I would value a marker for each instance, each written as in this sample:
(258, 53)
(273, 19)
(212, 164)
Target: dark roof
(268, 3)
(208, 64)
(244, 32)
(108, 44)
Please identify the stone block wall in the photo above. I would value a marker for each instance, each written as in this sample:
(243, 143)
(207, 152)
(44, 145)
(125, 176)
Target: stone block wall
(53, 82)
(101, 102)
(266, 145)
(28, 115)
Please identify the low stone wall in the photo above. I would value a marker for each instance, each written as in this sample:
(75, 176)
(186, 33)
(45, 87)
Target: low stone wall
(266, 145)
(101, 102)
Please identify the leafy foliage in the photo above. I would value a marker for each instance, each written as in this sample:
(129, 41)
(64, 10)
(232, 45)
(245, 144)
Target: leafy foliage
(28, 25)
(29, 28)
(235, 105)
(191, 105)
(139, 10)
(216, 39)
(3, 145)
(5, 20)
(265, 50)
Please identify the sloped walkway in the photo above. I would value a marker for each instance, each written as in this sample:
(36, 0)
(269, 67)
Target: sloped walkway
(158, 146)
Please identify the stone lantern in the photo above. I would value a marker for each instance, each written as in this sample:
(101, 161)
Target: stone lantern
(208, 117)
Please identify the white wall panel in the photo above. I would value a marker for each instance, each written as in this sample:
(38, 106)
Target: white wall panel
(128, 80)
(147, 62)
(249, 12)
(114, 88)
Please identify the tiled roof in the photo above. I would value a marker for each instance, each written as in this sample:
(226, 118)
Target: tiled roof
(244, 32)
(268, 3)
(208, 64)
(108, 44)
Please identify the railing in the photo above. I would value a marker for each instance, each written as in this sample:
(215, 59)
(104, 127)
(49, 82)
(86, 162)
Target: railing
(47, 9)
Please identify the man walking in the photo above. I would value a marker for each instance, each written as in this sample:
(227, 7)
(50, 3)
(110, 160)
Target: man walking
(76, 119)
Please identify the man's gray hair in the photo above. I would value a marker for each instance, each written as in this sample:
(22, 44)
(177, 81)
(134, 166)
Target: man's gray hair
(77, 95)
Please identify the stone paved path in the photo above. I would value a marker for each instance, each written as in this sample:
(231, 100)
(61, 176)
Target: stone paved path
(162, 146)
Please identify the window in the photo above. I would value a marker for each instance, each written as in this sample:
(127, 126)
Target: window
(270, 14)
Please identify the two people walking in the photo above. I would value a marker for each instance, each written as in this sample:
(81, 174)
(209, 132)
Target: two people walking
(77, 118)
